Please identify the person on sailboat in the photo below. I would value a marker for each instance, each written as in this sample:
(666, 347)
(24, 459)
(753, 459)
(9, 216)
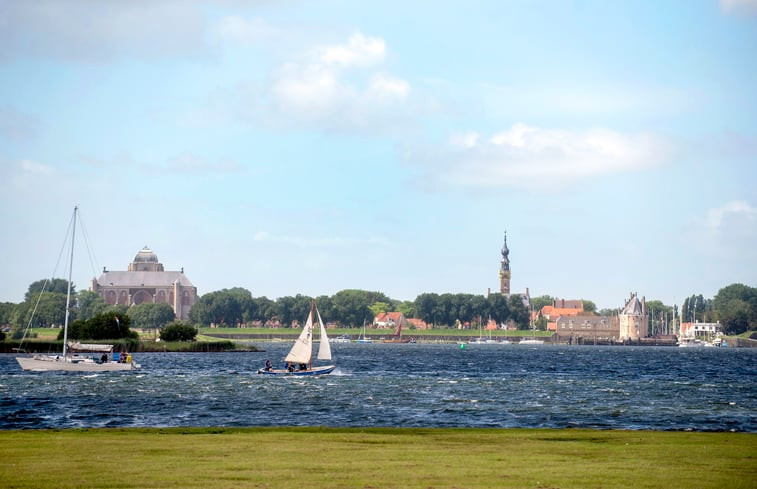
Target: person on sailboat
(268, 366)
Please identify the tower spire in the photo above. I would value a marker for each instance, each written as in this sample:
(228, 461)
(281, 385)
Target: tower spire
(504, 269)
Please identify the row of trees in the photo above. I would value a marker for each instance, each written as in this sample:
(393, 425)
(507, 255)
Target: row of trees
(735, 306)
(353, 308)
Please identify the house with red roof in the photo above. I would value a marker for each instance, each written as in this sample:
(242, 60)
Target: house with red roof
(389, 320)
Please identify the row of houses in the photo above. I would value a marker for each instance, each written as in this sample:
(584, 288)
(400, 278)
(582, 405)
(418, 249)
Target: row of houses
(568, 320)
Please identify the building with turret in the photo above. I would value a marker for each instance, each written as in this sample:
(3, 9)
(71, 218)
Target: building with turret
(633, 321)
(146, 280)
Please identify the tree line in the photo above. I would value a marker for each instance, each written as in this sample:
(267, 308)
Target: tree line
(735, 306)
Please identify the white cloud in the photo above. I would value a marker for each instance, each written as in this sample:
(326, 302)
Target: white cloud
(387, 88)
(539, 157)
(359, 51)
(720, 217)
(28, 176)
(338, 87)
(34, 168)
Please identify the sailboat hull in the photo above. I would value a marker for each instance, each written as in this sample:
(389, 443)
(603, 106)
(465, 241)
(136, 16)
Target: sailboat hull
(71, 364)
(326, 369)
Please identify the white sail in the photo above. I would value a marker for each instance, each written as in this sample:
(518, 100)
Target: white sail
(302, 350)
(324, 350)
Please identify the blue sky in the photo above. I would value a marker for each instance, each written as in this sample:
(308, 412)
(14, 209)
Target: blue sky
(308, 147)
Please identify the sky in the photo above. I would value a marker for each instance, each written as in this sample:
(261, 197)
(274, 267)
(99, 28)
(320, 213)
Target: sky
(306, 147)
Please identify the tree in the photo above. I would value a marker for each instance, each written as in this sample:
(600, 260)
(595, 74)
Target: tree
(696, 308)
(90, 304)
(589, 306)
(379, 307)
(58, 285)
(407, 308)
(500, 310)
(265, 309)
(228, 306)
(543, 300)
(6, 313)
(736, 307)
(151, 315)
(352, 306)
(43, 311)
(293, 309)
(106, 326)
(519, 314)
(425, 305)
(178, 331)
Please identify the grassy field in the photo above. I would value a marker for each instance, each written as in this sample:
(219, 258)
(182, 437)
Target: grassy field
(315, 458)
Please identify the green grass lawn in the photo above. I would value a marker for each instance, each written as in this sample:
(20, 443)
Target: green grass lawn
(315, 458)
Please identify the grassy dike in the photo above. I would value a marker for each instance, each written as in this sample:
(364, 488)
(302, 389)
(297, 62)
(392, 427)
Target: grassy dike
(374, 458)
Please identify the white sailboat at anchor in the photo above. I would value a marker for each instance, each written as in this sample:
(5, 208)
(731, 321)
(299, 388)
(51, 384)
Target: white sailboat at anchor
(102, 361)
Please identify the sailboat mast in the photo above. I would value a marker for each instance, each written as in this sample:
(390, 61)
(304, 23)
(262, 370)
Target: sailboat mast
(312, 315)
(68, 293)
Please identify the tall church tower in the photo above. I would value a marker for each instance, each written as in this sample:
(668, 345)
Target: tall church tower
(504, 270)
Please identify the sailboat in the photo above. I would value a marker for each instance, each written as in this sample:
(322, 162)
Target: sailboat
(533, 340)
(363, 338)
(481, 340)
(69, 360)
(397, 335)
(299, 361)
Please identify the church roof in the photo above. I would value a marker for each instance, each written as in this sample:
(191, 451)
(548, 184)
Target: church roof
(143, 279)
(146, 255)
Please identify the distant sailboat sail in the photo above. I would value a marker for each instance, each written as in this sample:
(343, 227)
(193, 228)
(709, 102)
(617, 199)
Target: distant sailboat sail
(324, 350)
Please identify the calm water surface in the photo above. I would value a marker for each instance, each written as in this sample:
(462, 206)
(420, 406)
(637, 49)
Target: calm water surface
(425, 385)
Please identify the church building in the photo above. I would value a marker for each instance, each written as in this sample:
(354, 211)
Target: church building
(147, 281)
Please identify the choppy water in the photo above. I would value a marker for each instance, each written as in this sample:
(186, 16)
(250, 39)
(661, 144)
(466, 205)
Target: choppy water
(403, 385)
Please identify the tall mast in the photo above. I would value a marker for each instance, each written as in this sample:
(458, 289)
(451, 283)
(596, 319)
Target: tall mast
(68, 293)
(312, 333)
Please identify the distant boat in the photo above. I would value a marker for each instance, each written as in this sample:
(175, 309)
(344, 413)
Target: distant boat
(690, 342)
(103, 361)
(397, 336)
(345, 338)
(299, 361)
(482, 340)
(363, 338)
(531, 341)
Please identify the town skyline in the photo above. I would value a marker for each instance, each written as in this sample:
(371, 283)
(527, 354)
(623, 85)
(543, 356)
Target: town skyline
(296, 148)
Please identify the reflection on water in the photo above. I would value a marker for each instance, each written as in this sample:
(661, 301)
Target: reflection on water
(403, 385)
